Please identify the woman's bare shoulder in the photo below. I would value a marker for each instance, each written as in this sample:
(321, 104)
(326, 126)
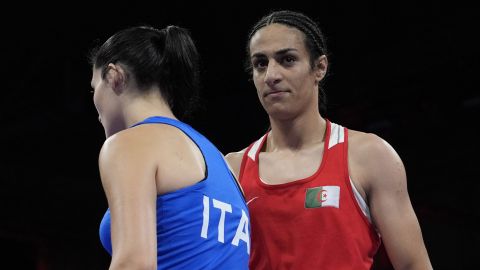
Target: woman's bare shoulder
(234, 160)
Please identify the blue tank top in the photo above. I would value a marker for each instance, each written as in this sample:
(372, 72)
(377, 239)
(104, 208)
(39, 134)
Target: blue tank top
(202, 226)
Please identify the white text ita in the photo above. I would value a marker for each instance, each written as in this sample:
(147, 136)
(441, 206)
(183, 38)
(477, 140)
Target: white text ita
(242, 228)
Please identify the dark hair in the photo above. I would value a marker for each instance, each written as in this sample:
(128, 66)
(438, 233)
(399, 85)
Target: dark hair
(166, 58)
(314, 40)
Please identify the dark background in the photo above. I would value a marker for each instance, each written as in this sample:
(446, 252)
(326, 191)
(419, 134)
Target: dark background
(406, 71)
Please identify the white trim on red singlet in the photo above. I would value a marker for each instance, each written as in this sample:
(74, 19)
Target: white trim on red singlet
(337, 135)
(253, 150)
(361, 202)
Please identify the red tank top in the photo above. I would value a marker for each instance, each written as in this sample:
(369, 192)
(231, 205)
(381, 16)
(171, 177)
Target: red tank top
(311, 223)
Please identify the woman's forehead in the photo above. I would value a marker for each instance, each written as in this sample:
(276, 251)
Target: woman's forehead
(276, 37)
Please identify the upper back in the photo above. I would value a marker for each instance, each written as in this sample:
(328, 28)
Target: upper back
(177, 159)
(207, 215)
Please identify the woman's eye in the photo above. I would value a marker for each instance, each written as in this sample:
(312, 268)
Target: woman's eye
(260, 63)
(289, 59)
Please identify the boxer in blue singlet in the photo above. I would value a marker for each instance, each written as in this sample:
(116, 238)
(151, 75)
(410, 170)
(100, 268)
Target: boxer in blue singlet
(173, 202)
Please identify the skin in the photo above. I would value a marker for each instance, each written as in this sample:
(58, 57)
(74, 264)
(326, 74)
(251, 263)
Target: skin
(287, 87)
(138, 164)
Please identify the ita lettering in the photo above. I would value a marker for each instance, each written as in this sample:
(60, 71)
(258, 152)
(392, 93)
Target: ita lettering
(242, 232)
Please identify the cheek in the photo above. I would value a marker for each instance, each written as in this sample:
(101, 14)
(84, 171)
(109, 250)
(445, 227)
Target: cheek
(97, 101)
(258, 87)
(258, 82)
(303, 82)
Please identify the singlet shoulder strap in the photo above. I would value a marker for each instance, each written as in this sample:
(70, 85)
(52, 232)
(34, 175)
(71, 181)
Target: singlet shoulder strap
(208, 151)
(337, 135)
(186, 128)
(252, 153)
(162, 120)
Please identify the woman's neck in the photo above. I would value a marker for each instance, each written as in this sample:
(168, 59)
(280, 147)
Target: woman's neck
(140, 108)
(296, 134)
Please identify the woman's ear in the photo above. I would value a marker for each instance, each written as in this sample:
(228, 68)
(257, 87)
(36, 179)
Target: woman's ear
(116, 78)
(320, 68)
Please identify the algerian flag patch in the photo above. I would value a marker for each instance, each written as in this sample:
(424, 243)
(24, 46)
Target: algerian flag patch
(326, 196)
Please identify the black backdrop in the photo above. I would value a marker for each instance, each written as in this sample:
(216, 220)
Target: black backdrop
(406, 71)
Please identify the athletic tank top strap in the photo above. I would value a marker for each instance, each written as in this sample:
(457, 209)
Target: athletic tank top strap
(214, 159)
(251, 152)
(187, 129)
(209, 153)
